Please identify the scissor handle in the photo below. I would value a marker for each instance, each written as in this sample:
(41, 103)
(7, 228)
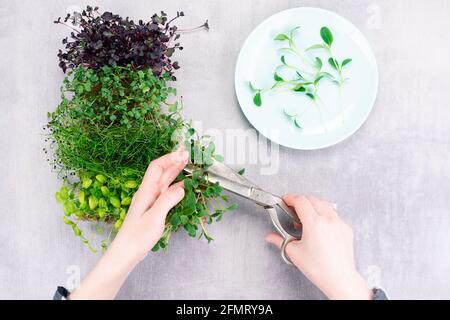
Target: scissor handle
(287, 237)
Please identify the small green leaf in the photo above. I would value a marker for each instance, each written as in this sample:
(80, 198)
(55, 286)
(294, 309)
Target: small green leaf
(173, 107)
(81, 197)
(184, 219)
(319, 63)
(327, 75)
(277, 78)
(257, 99)
(64, 193)
(104, 190)
(311, 96)
(58, 198)
(289, 114)
(333, 63)
(115, 202)
(346, 62)
(131, 184)
(101, 178)
(299, 88)
(101, 213)
(69, 208)
(317, 80)
(241, 172)
(126, 201)
(68, 222)
(156, 247)
(282, 37)
(297, 123)
(191, 131)
(76, 230)
(232, 207)
(283, 60)
(123, 214)
(102, 203)
(299, 75)
(326, 35)
(118, 224)
(293, 31)
(93, 202)
(315, 47)
(86, 183)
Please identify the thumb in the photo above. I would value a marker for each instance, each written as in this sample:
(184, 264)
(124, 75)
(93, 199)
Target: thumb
(275, 239)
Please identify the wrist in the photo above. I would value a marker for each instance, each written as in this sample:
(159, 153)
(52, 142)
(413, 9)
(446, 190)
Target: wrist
(119, 256)
(350, 287)
(105, 280)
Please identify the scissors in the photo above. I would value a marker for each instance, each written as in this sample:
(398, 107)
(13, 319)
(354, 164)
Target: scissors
(232, 181)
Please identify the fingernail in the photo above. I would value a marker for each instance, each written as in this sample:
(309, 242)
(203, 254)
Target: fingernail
(180, 192)
(184, 156)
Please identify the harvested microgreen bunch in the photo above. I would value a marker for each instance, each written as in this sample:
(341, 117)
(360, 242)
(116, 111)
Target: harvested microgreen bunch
(328, 39)
(303, 73)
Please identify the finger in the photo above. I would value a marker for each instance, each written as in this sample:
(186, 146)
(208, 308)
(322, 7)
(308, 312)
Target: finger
(323, 208)
(164, 162)
(277, 240)
(172, 172)
(166, 201)
(303, 207)
(149, 189)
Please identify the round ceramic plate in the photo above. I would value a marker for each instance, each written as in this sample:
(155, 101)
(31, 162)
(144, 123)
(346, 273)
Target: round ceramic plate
(294, 119)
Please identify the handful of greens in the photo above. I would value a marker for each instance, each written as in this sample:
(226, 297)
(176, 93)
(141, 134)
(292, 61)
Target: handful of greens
(304, 73)
(114, 119)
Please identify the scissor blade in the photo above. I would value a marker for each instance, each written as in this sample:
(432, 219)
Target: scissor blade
(231, 181)
(255, 194)
(222, 170)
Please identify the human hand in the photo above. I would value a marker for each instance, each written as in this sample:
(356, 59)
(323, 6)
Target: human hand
(325, 252)
(145, 220)
(141, 229)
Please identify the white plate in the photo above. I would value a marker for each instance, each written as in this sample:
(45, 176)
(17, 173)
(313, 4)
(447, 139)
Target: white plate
(336, 119)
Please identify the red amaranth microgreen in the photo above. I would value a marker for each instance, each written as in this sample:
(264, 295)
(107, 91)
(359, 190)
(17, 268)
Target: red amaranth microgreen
(108, 39)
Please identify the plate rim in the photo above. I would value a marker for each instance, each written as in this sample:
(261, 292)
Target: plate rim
(372, 101)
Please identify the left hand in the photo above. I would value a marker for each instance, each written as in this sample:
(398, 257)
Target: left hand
(141, 230)
(145, 220)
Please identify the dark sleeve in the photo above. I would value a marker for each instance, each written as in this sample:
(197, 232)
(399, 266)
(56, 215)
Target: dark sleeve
(379, 294)
(61, 293)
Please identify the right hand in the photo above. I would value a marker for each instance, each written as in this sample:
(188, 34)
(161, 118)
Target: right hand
(325, 252)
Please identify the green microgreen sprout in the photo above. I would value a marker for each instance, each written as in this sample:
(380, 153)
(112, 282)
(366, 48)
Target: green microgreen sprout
(307, 72)
(107, 128)
(338, 67)
(293, 117)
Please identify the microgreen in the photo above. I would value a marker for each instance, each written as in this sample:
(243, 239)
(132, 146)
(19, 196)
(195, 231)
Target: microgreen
(306, 72)
(108, 39)
(114, 118)
(327, 36)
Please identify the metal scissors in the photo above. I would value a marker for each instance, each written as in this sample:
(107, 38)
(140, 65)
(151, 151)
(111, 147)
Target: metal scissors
(232, 181)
